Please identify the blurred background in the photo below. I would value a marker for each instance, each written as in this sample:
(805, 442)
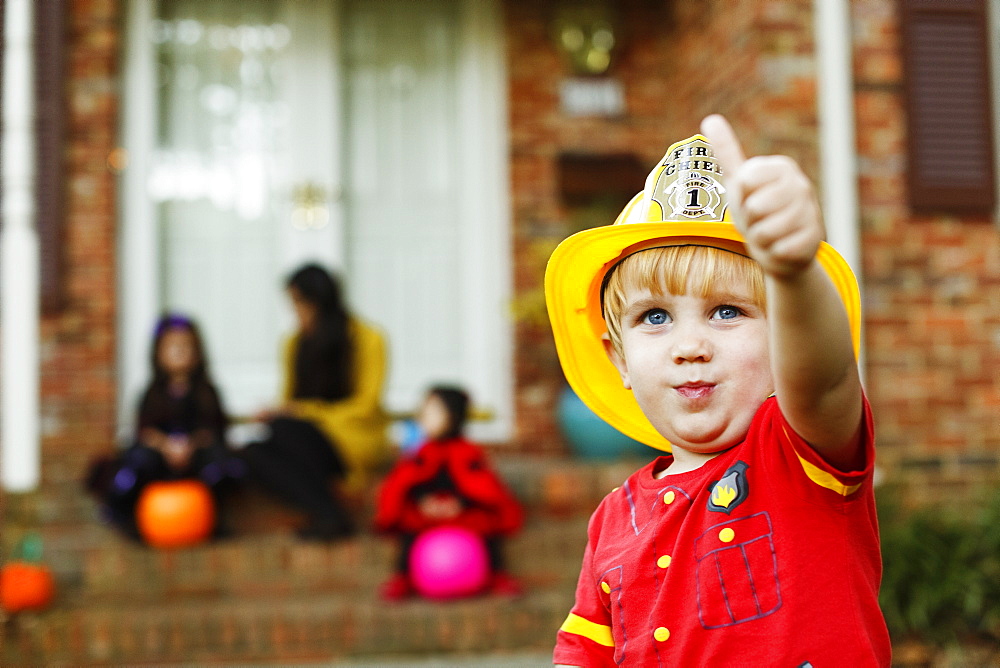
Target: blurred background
(185, 155)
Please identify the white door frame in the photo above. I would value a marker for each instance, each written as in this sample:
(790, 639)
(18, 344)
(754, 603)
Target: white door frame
(138, 293)
(482, 87)
(485, 199)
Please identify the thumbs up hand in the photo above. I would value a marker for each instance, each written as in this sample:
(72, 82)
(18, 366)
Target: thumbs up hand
(772, 201)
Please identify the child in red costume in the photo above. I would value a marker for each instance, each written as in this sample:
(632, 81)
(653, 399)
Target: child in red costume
(447, 482)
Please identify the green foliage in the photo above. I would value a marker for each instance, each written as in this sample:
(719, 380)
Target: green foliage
(941, 577)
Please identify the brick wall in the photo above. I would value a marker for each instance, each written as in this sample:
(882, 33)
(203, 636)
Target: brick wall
(930, 283)
(672, 76)
(78, 343)
(677, 63)
(932, 296)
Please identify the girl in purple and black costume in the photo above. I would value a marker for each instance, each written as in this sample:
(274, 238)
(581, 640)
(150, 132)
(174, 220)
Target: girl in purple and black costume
(180, 431)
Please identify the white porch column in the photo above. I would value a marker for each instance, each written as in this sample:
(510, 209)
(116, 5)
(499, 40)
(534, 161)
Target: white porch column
(837, 147)
(20, 454)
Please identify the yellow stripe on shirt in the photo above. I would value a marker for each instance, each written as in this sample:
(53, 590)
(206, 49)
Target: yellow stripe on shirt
(821, 477)
(599, 633)
(826, 479)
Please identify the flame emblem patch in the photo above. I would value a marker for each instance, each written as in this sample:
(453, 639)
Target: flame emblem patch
(730, 490)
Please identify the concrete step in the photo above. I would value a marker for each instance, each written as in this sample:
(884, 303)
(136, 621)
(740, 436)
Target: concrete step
(304, 628)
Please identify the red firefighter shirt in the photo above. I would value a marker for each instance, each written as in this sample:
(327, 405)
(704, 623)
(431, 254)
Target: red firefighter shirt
(764, 556)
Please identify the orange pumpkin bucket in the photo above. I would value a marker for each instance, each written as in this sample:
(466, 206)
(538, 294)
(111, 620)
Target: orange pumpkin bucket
(177, 513)
(25, 582)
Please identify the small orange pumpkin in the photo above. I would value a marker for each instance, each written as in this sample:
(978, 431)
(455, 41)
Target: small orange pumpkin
(176, 513)
(25, 586)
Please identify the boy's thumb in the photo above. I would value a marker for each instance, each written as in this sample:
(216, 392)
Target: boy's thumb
(728, 151)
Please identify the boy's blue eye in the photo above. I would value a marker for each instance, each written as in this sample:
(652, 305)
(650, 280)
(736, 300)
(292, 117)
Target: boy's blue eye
(656, 316)
(727, 312)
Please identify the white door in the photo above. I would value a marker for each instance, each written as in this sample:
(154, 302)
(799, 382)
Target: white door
(367, 136)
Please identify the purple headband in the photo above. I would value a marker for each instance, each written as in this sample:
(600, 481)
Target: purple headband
(171, 321)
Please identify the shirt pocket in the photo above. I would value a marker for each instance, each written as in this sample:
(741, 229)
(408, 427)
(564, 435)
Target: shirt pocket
(737, 572)
(612, 584)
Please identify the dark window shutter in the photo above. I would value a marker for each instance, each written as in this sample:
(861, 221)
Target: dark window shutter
(948, 92)
(50, 108)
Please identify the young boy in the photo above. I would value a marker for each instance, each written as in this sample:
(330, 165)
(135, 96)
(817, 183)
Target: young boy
(754, 543)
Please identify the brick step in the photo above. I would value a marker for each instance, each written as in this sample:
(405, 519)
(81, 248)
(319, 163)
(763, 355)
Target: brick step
(266, 596)
(563, 486)
(51, 504)
(542, 555)
(314, 628)
(93, 563)
(545, 485)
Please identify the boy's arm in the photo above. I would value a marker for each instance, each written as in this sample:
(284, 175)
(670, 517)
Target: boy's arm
(812, 358)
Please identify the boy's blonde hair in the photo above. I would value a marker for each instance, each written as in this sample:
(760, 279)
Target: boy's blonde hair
(677, 270)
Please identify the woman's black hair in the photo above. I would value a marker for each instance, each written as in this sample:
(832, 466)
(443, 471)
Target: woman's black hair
(166, 323)
(324, 356)
(456, 402)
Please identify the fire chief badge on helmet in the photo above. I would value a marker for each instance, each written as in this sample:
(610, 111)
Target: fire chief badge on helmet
(684, 203)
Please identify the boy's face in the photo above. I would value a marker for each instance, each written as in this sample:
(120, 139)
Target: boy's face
(699, 367)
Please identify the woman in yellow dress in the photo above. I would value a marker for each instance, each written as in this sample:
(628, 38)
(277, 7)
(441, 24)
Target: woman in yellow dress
(331, 422)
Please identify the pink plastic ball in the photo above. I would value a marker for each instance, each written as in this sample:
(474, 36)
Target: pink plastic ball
(449, 562)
